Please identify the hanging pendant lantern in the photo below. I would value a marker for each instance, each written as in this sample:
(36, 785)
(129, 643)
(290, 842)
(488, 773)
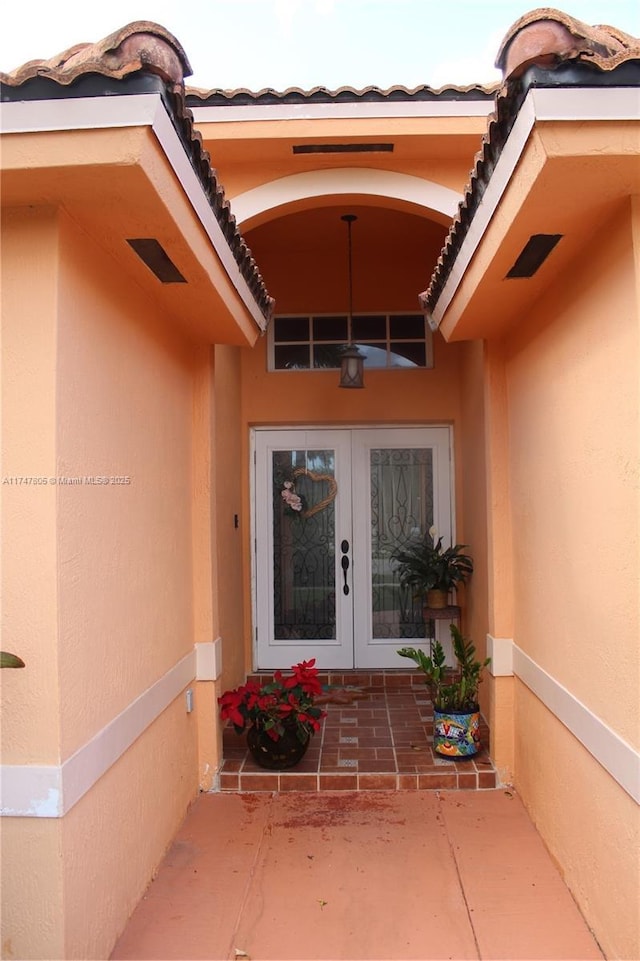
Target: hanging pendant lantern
(352, 361)
(352, 368)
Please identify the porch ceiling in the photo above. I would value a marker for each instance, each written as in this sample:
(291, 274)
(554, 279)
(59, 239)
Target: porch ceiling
(249, 153)
(303, 257)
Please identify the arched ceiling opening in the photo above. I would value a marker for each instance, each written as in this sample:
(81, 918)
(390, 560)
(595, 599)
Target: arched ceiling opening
(303, 257)
(319, 187)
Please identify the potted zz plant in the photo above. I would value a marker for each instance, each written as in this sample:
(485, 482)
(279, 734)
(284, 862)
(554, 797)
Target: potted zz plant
(456, 712)
(432, 571)
(280, 716)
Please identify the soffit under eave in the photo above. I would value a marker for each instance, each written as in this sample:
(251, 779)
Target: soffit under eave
(118, 185)
(141, 57)
(555, 189)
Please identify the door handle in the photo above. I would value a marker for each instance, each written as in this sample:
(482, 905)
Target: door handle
(345, 567)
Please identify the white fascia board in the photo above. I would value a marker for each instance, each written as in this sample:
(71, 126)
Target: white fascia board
(177, 157)
(582, 104)
(99, 113)
(357, 110)
(85, 113)
(540, 105)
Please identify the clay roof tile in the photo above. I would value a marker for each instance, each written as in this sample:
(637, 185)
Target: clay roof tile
(242, 95)
(141, 45)
(544, 38)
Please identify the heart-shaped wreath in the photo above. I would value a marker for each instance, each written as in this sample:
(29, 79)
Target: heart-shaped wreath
(294, 501)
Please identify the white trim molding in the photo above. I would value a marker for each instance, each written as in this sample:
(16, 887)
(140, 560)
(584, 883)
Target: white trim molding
(209, 660)
(50, 791)
(355, 110)
(616, 756)
(345, 180)
(500, 650)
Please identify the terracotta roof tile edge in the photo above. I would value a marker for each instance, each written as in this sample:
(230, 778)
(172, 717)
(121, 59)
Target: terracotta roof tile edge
(546, 36)
(361, 93)
(567, 39)
(208, 177)
(141, 45)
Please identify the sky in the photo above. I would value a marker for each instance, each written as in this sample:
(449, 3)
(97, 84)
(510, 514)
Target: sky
(303, 43)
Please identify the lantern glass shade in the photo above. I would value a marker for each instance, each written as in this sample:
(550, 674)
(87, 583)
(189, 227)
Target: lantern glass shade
(352, 368)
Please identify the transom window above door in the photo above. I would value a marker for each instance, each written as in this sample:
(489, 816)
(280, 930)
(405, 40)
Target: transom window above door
(316, 342)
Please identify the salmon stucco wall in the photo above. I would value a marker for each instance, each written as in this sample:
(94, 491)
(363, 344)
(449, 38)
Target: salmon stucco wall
(124, 412)
(313, 398)
(396, 397)
(474, 489)
(100, 595)
(29, 577)
(571, 372)
(232, 522)
(206, 613)
(472, 478)
(499, 590)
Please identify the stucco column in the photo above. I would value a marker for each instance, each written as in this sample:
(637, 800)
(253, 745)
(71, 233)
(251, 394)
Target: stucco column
(499, 563)
(206, 608)
(32, 895)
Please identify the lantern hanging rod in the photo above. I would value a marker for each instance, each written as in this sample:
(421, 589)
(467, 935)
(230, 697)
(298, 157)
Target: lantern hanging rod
(352, 363)
(349, 219)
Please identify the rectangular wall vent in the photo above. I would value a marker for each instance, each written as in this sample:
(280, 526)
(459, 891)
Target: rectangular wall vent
(157, 260)
(343, 148)
(533, 255)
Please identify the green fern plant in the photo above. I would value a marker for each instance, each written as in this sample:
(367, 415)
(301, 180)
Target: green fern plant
(423, 565)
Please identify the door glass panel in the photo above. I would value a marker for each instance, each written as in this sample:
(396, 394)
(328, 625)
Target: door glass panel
(304, 568)
(401, 508)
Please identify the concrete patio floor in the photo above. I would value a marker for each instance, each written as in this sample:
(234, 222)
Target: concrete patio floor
(358, 875)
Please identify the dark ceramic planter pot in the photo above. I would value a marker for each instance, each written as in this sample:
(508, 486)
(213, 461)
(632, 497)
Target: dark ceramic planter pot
(456, 735)
(276, 755)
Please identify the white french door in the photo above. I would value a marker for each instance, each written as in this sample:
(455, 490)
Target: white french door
(331, 507)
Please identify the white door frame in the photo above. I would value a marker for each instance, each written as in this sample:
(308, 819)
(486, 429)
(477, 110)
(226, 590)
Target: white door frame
(364, 437)
(370, 652)
(338, 652)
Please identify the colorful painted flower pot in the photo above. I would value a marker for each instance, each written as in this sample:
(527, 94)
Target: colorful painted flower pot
(456, 735)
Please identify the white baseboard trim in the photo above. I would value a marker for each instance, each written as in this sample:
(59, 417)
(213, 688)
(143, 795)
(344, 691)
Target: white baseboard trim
(49, 791)
(209, 660)
(615, 755)
(500, 650)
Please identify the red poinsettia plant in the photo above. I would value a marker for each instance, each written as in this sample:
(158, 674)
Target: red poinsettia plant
(281, 704)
